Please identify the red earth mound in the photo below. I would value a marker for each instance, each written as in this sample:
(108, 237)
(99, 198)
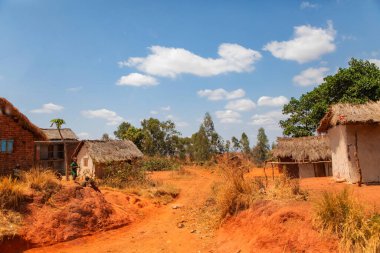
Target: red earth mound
(274, 227)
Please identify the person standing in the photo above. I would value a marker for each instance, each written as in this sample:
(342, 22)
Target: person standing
(74, 168)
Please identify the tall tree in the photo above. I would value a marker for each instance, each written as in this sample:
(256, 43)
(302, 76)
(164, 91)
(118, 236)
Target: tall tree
(215, 140)
(359, 83)
(261, 150)
(244, 142)
(235, 144)
(200, 150)
(228, 146)
(122, 130)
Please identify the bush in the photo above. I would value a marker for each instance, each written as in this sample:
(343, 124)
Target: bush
(43, 181)
(342, 215)
(11, 194)
(123, 175)
(158, 164)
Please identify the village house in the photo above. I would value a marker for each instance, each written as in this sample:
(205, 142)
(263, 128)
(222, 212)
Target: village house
(55, 153)
(17, 137)
(354, 133)
(94, 156)
(304, 157)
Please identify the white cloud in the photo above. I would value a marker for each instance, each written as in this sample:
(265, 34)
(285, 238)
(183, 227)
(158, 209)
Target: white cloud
(267, 119)
(272, 101)
(137, 80)
(171, 62)
(228, 116)
(308, 5)
(75, 89)
(153, 112)
(309, 43)
(310, 76)
(375, 61)
(221, 94)
(166, 108)
(241, 105)
(48, 108)
(111, 117)
(83, 135)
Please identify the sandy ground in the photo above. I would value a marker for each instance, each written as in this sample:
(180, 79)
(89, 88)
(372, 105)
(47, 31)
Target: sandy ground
(268, 228)
(160, 231)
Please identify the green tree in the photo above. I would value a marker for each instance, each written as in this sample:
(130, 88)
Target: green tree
(235, 144)
(200, 149)
(244, 143)
(228, 146)
(105, 137)
(122, 130)
(135, 135)
(359, 83)
(261, 150)
(216, 144)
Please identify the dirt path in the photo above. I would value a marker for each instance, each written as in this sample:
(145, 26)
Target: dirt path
(159, 231)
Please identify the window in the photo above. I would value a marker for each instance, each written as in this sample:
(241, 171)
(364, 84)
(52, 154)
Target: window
(7, 146)
(85, 162)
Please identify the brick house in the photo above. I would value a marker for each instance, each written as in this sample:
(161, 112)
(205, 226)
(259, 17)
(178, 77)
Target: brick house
(17, 137)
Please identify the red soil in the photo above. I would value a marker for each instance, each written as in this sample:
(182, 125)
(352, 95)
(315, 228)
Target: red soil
(268, 227)
(273, 227)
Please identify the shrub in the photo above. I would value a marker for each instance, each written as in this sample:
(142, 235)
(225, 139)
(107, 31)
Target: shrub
(11, 194)
(123, 175)
(342, 215)
(43, 181)
(10, 223)
(158, 164)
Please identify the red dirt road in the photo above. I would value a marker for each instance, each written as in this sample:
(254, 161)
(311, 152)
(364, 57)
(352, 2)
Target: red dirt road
(159, 231)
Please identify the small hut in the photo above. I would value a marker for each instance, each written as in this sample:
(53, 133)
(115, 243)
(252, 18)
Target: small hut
(94, 156)
(354, 133)
(17, 136)
(304, 157)
(55, 153)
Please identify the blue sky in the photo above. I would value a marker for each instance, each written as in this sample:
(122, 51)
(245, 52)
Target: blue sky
(96, 63)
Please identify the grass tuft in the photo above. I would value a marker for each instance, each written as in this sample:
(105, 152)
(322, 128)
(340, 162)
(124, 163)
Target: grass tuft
(12, 194)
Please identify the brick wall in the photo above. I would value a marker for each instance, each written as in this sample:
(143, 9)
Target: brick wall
(23, 146)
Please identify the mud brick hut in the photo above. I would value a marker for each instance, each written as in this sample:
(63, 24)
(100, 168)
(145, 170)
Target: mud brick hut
(17, 137)
(94, 156)
(54, 153)
(304, 157)
(354, 133)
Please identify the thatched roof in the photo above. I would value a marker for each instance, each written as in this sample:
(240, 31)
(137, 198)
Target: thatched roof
(6, 108)
(312, 148)
(53, 134)
(111, 151)
(344, 114)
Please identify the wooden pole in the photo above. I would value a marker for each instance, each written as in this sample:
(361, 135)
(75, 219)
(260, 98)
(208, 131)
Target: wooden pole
(272, 172)
(65, 161)
(357, 160)
(266, 177)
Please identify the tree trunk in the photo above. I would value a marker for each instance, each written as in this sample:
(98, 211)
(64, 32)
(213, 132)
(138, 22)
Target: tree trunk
(64, 154)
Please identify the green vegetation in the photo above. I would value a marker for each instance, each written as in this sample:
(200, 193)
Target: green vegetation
(340, 214)
(358, 83)
(158, 164)
(261, 150)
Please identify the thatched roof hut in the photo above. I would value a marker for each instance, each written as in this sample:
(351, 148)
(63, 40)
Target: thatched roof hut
(111, 151)
(345, 114)
(53, 134)
(6, 108)
(312, 148)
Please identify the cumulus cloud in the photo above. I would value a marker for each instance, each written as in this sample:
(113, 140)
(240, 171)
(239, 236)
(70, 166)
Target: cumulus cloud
(228, 116)
(48, 108)
(221, 94)
(308, 5)
(309, 43)
(137, 80)
(267, 119)
(241, 105)
(83, 135)
(171, 62)
(166, 108)
(375, 61)
(310, 76)
(272, 101)
(111, 117)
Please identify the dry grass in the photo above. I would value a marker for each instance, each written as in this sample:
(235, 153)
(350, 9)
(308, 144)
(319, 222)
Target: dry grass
(12, 194)
(158, 192)
(42, 181)
(342, 215)
(237, 193)
(10, 223)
